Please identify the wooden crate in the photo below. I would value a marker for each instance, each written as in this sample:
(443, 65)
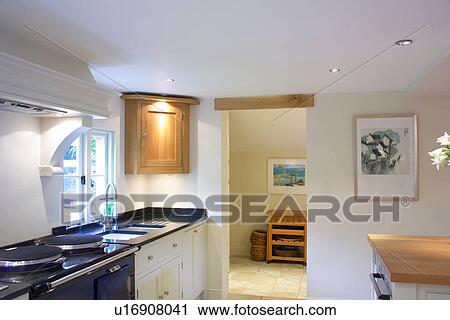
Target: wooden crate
(291, 224)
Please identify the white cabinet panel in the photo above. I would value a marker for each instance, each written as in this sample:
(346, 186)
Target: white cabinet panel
(188, 264)
(199, 260)
(172, 279)
(148, 287)
(173, 267)
(194, 262)
(155, 253)
(433, 292)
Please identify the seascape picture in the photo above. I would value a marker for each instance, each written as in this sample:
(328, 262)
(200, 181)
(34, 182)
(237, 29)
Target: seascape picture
(385, 151)
(286, 176)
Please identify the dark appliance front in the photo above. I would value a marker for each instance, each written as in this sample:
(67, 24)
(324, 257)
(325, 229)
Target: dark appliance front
(114, 281)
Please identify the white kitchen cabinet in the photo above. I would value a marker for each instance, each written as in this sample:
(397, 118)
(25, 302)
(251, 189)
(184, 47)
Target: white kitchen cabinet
(194, 262)
(172, 279)
(188, 264)
(165, 282)
(172, 267)
(149, 286)
(155, 253)
(403, 291)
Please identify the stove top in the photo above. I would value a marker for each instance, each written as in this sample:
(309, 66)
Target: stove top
(71, 263)
(75, 243)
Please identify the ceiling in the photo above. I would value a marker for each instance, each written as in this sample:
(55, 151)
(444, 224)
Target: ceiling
(247, 47)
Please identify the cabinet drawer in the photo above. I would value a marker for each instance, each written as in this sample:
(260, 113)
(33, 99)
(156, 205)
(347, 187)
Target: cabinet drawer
(155, 253)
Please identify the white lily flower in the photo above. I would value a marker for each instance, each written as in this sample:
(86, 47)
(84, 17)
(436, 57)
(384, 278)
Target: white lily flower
(439, 157)
(444, 140)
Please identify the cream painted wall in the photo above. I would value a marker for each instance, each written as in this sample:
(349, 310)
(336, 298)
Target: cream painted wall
(31, 204)
(22, 212)
(256, 131)
(339, 254)
(255, 137)
(248, 175)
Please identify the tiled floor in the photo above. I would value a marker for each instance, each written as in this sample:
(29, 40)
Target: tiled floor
(252, 280)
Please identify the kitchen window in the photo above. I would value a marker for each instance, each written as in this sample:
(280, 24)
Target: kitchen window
(89, 167)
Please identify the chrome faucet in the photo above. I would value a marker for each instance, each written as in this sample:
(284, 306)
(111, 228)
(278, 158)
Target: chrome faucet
(109, 221)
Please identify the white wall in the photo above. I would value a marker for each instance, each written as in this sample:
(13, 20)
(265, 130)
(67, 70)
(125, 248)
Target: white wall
(22, 211)
(339, 254)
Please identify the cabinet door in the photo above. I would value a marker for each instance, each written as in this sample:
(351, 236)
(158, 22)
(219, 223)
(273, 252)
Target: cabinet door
(433, 292)
(188, 265)
(172, 279)
(149, 286)
(161, 135)
(199, 260)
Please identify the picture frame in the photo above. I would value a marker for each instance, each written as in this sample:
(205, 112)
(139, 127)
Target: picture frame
(286, 176)
(386, 156)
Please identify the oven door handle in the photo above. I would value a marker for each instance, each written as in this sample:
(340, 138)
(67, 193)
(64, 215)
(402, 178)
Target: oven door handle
(91, 268)
(381, 294)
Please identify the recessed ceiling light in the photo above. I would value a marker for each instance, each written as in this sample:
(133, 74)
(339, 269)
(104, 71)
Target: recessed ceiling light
(169, 80)
(404, 42)
(334, 70)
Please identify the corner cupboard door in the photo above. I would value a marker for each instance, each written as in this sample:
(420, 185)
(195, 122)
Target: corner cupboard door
(172, 279)
(161, 135)
(148, 287)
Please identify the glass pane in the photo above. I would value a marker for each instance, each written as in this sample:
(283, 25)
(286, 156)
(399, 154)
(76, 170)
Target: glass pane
(100, 174)
(71, 184)
(99, 185)
(98, 155)
(72, 159)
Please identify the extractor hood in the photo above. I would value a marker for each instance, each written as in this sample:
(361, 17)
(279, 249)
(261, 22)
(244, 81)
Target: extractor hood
(36, 89)
(30, 109)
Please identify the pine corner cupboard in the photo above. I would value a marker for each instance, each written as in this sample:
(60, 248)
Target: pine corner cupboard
(157, 133)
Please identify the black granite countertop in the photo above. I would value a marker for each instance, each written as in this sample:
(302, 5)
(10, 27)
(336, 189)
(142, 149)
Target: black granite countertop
(171, 225)
(174, 221)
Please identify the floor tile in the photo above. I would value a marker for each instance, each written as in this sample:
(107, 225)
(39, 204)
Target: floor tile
(243, 297)
(282, 294)
(248, 278)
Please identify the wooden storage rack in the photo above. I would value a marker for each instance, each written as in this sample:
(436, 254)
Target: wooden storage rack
(290, 223)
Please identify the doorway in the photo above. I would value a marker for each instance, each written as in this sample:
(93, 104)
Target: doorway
(256, 142)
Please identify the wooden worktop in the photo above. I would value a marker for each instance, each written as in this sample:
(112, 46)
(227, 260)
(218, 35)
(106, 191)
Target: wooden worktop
(414, 259)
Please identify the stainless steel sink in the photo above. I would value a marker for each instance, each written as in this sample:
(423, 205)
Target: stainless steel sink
(145, 226)
(117, 235)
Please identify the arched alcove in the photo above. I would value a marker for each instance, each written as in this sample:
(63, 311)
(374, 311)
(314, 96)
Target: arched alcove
(57, 136)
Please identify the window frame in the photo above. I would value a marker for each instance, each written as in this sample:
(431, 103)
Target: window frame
(110, 168)
(81, 159)
(85, 163)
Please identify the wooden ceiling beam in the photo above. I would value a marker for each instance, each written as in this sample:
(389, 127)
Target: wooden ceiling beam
(265, 102)
(164, 98)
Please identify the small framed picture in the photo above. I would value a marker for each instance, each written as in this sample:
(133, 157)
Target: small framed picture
(386, 155)
(286, 176)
